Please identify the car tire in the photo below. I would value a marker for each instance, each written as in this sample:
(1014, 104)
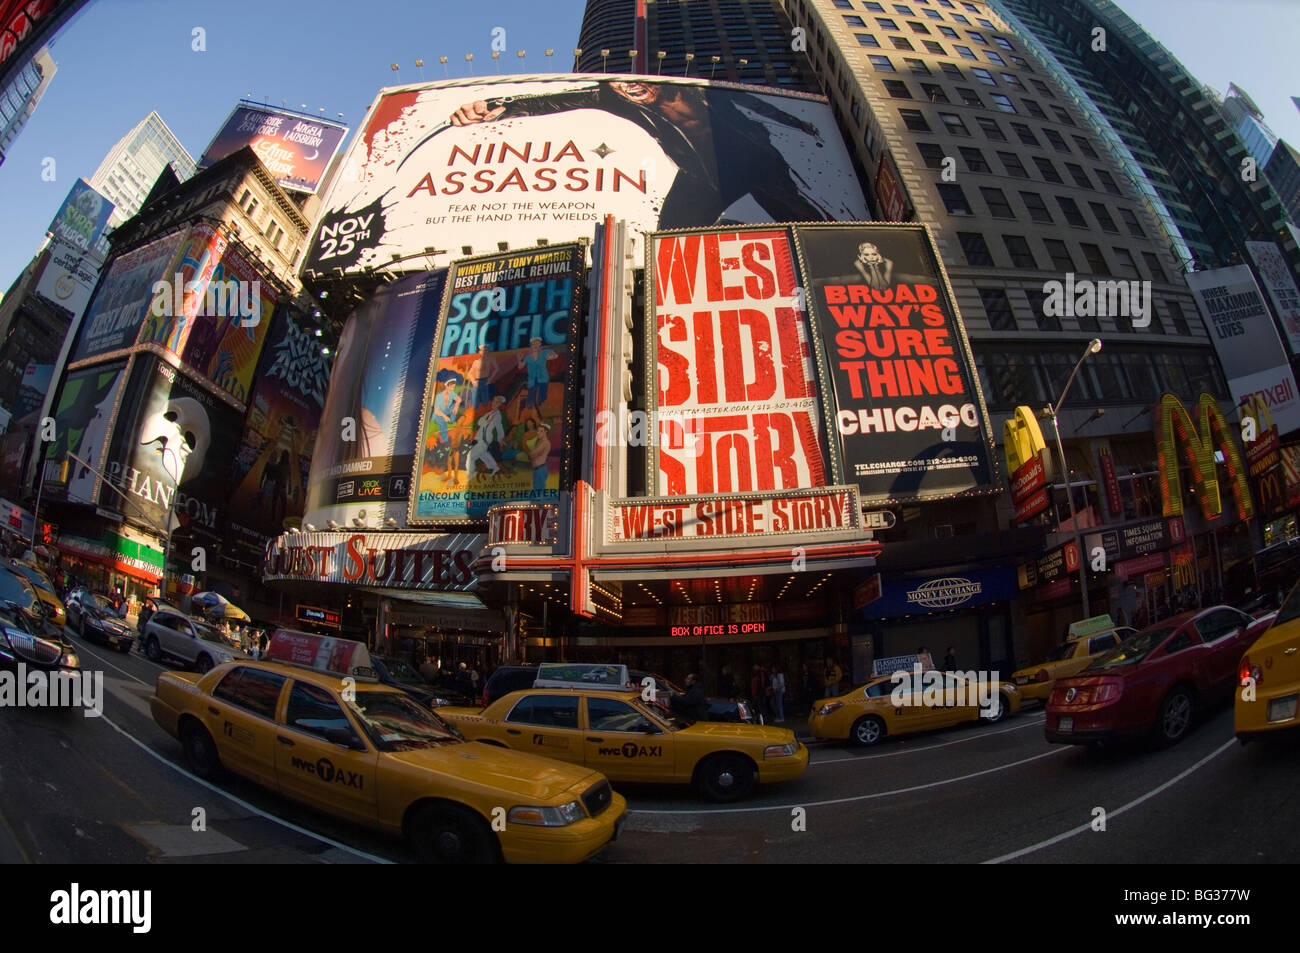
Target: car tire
(203, 664)
(124, 648)
(1174, 717)
(151, 650)
(200, 750)
(867, 731)
(449, 834)
(726, 777)
(999, 713)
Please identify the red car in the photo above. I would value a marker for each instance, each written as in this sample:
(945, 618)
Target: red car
(1152, 682)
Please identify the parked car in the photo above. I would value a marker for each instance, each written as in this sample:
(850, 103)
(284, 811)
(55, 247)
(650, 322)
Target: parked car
(92, 617)
(58, 616)
(737, 710)
(24, 630)
(1268, 692)
(1072, 656)
(1152, 683)
(395, 672)
(171, 635)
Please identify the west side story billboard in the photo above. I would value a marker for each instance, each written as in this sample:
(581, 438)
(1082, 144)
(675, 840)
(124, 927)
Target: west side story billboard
(865, 378)
(451, 163)
(297, 150)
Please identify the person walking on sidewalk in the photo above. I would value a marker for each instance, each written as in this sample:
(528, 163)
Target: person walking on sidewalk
(778, 694)
(833, 675)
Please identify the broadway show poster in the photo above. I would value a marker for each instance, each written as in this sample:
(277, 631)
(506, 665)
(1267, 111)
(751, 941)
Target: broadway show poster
(498, 402)
(907, 414)
(125, 295)
(82, 417)
(456, 162)
(273, 464)
(295, 149)
(371, 421)
(733, 394)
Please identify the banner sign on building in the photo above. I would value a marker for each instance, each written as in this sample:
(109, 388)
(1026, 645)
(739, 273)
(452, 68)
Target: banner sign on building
(68, 276)
(455, 162)
(906, 412)
(1246, 341)
(125, 295)
(82, 217)
(908, 596)
(1198, 441)
(35, 385)
(1114, 501)
(1275, 272)
(296, 150)
(1264, 458)
(385, 560)
(1137, 539)
(497, 420)
(87, 405)
(363, 454)
(526, 523)
(889, 193)
(732, 386)
(1057, 565)
(732, 517)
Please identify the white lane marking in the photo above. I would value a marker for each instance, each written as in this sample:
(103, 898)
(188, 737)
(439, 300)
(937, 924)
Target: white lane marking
(240, 801)
(859, 797)
(1119, 810)
(91, 651)
(942, 744)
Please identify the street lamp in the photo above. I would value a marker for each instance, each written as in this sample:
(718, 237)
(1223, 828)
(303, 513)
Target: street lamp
(1094, 346)
(715, 60)
(496, 55)
(660, 57)
(171, 504)
(604, 61)
(419, 64)
(443, 61)
(520, 54)
(689, 58)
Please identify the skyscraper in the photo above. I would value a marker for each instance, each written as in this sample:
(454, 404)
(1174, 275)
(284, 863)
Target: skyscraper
(1247, 121)
(18, 100)
(130, 168)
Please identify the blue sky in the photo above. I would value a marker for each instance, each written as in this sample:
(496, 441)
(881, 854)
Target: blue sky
(120, 58)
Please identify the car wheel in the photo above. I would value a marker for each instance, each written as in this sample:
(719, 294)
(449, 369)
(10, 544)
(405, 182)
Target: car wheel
(726, 777)
(998, 712)
(1175, 717)
(124, 648)
(151, 650)
(203, 665)
(447, 834)
(200, 750)
(867, 731)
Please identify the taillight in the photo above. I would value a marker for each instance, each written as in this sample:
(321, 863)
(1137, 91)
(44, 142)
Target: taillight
(1250, 673)
(1041, 676)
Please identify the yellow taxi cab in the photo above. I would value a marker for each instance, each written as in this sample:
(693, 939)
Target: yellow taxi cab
(627, 738)
(1085, 641)
(309, 723)
(911, 700)
(1268, 688)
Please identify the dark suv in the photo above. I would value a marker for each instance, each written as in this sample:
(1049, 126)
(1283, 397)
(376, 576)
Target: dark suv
(507, 679)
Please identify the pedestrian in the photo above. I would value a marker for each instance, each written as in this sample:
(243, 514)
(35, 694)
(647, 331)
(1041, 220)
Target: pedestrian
(778, 694)
(727, 683)
(832, 678)
(812, 685)
(950, 660)
(463, 684)
(693, 704)
(758, 689)
(475, 679)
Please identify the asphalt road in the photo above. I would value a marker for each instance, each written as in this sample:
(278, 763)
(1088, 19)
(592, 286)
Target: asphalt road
(114, 789)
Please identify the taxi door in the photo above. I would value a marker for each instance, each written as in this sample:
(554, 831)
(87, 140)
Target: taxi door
(321, 758)
(545, 724)
(903, 704)
(624, 744)
(241, 719)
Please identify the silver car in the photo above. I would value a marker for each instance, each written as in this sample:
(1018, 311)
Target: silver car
(169, 635)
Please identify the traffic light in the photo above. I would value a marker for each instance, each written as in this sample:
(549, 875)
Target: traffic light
(47, 533)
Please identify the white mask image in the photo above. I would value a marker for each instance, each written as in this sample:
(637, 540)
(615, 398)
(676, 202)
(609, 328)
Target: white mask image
(181, 430)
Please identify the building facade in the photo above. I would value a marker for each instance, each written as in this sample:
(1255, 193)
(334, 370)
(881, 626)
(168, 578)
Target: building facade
(131, 167)
(19, 99)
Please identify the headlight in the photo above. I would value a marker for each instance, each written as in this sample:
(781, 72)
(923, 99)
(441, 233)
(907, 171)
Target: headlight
(70, 660)
(827, 709)
(436, 702)
(561, 816)
(781, 751)
(1008, 687)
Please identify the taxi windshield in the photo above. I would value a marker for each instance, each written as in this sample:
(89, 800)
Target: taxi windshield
(1062, 652)
(659, 712)
(396, 723)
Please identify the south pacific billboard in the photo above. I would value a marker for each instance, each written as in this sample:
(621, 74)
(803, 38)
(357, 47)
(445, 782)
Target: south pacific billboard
(124, 296)
(296, 150)
(498, 415)
(369, 425)
(449, 164)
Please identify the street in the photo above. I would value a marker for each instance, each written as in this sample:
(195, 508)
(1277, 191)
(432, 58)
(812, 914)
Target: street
(114, 790)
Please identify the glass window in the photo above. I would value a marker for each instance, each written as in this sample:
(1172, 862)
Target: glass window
(854, 20)
(1102, 643)
(950, 33)
(1096, 260)
(902, 43)
(1080, 177)
(984, 76)
(843, 5)
(905, 10)
(952, 69)
(1048, 170)
(897, 88)
(1021, 254)
(547, 711)
(954, 124)
(954, 199)
(1045, 322)
(1037, 207)
(874, 7)
(916, 66)
(882, 63)
(1003, 103)
(977, 252)
(610, 714)
(1107, 182)
(965, 52)
(1179, 318)
(998, 205)
(867, 40)
(933, 47)
(914, 120)
(1125, 266)
(934, 93)
(1011, 79)
(957, 17)
(918, 27)
(977, 37)
(969, 97)
(1055, 139)
(886, 23)
(933, 14)
(931, 154)
(251, 689)
(1003, 42)
(1026, 135)
(991, 129)
(313, 710)
(998, 309)
(994, 57)
(1218, 625)
(1085, 146)
(1059, 252)
(1062, 115)
(1153, 266)
(1013, 165)
(974, 159)
(1035, 110)
(1103, 217)
(1131, 223)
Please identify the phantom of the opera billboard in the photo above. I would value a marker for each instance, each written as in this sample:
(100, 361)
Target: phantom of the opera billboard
(363, 455)
(864, 379)
(296, 150)
(452, 163)
(498, 411)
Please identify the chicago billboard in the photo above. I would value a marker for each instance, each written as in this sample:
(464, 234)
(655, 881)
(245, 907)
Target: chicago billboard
(451, 163)
(369, 425)
(297, 150)
(1246, 341)
(898, 379)
(498, 410)
(125, 295)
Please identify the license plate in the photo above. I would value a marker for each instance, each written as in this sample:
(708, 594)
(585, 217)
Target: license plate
(1282, 709)
(1066, 723)
(1022, 680)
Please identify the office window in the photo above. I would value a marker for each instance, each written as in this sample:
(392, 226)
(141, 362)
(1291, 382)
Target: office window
(843, 5)
(1062, 115)
(905, 10)
(874, 7)
(1022, 63)
(974, 159)
(1107, 182)
(950, 33)
(969, 96)
(1018, 249)
(987, 24)
(919, 27)
(1037, 207)
(897, 88)
(952, 69)
(1045, 322)
(977, 37)
(947, 3)
(917, 66)
(914, 120)
(994, 57)
(1179, 318)
(954, 199)
(998, 205)
(1043, 89)
(1011, 162)
(1035, 110)
(933, 47)
(975, 249)
(965, 52)
(1096, 260)
(902, 43)
(1176, 370)
(1047, 170)
(933, 14)
(931, 154)
(1080, 177)
(1003, 42)
(998, 309)
(1153, 267)
(1011, 79)
(1125, 266)
(934, 93)
(954, 124)
(984, 76)
(1056, 139)
(866, 39)
(1070, 209)
(958, 18)
(1003, 103)
(1059, 252)
(854, 20)
(886, 23)
(1103, 217)
(971, 7)
(883, 63)
(991, 129)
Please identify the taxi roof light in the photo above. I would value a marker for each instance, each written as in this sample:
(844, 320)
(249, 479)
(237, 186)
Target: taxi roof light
(328, 655)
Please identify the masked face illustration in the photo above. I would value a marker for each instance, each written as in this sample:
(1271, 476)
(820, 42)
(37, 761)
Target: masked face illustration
(181, 432)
